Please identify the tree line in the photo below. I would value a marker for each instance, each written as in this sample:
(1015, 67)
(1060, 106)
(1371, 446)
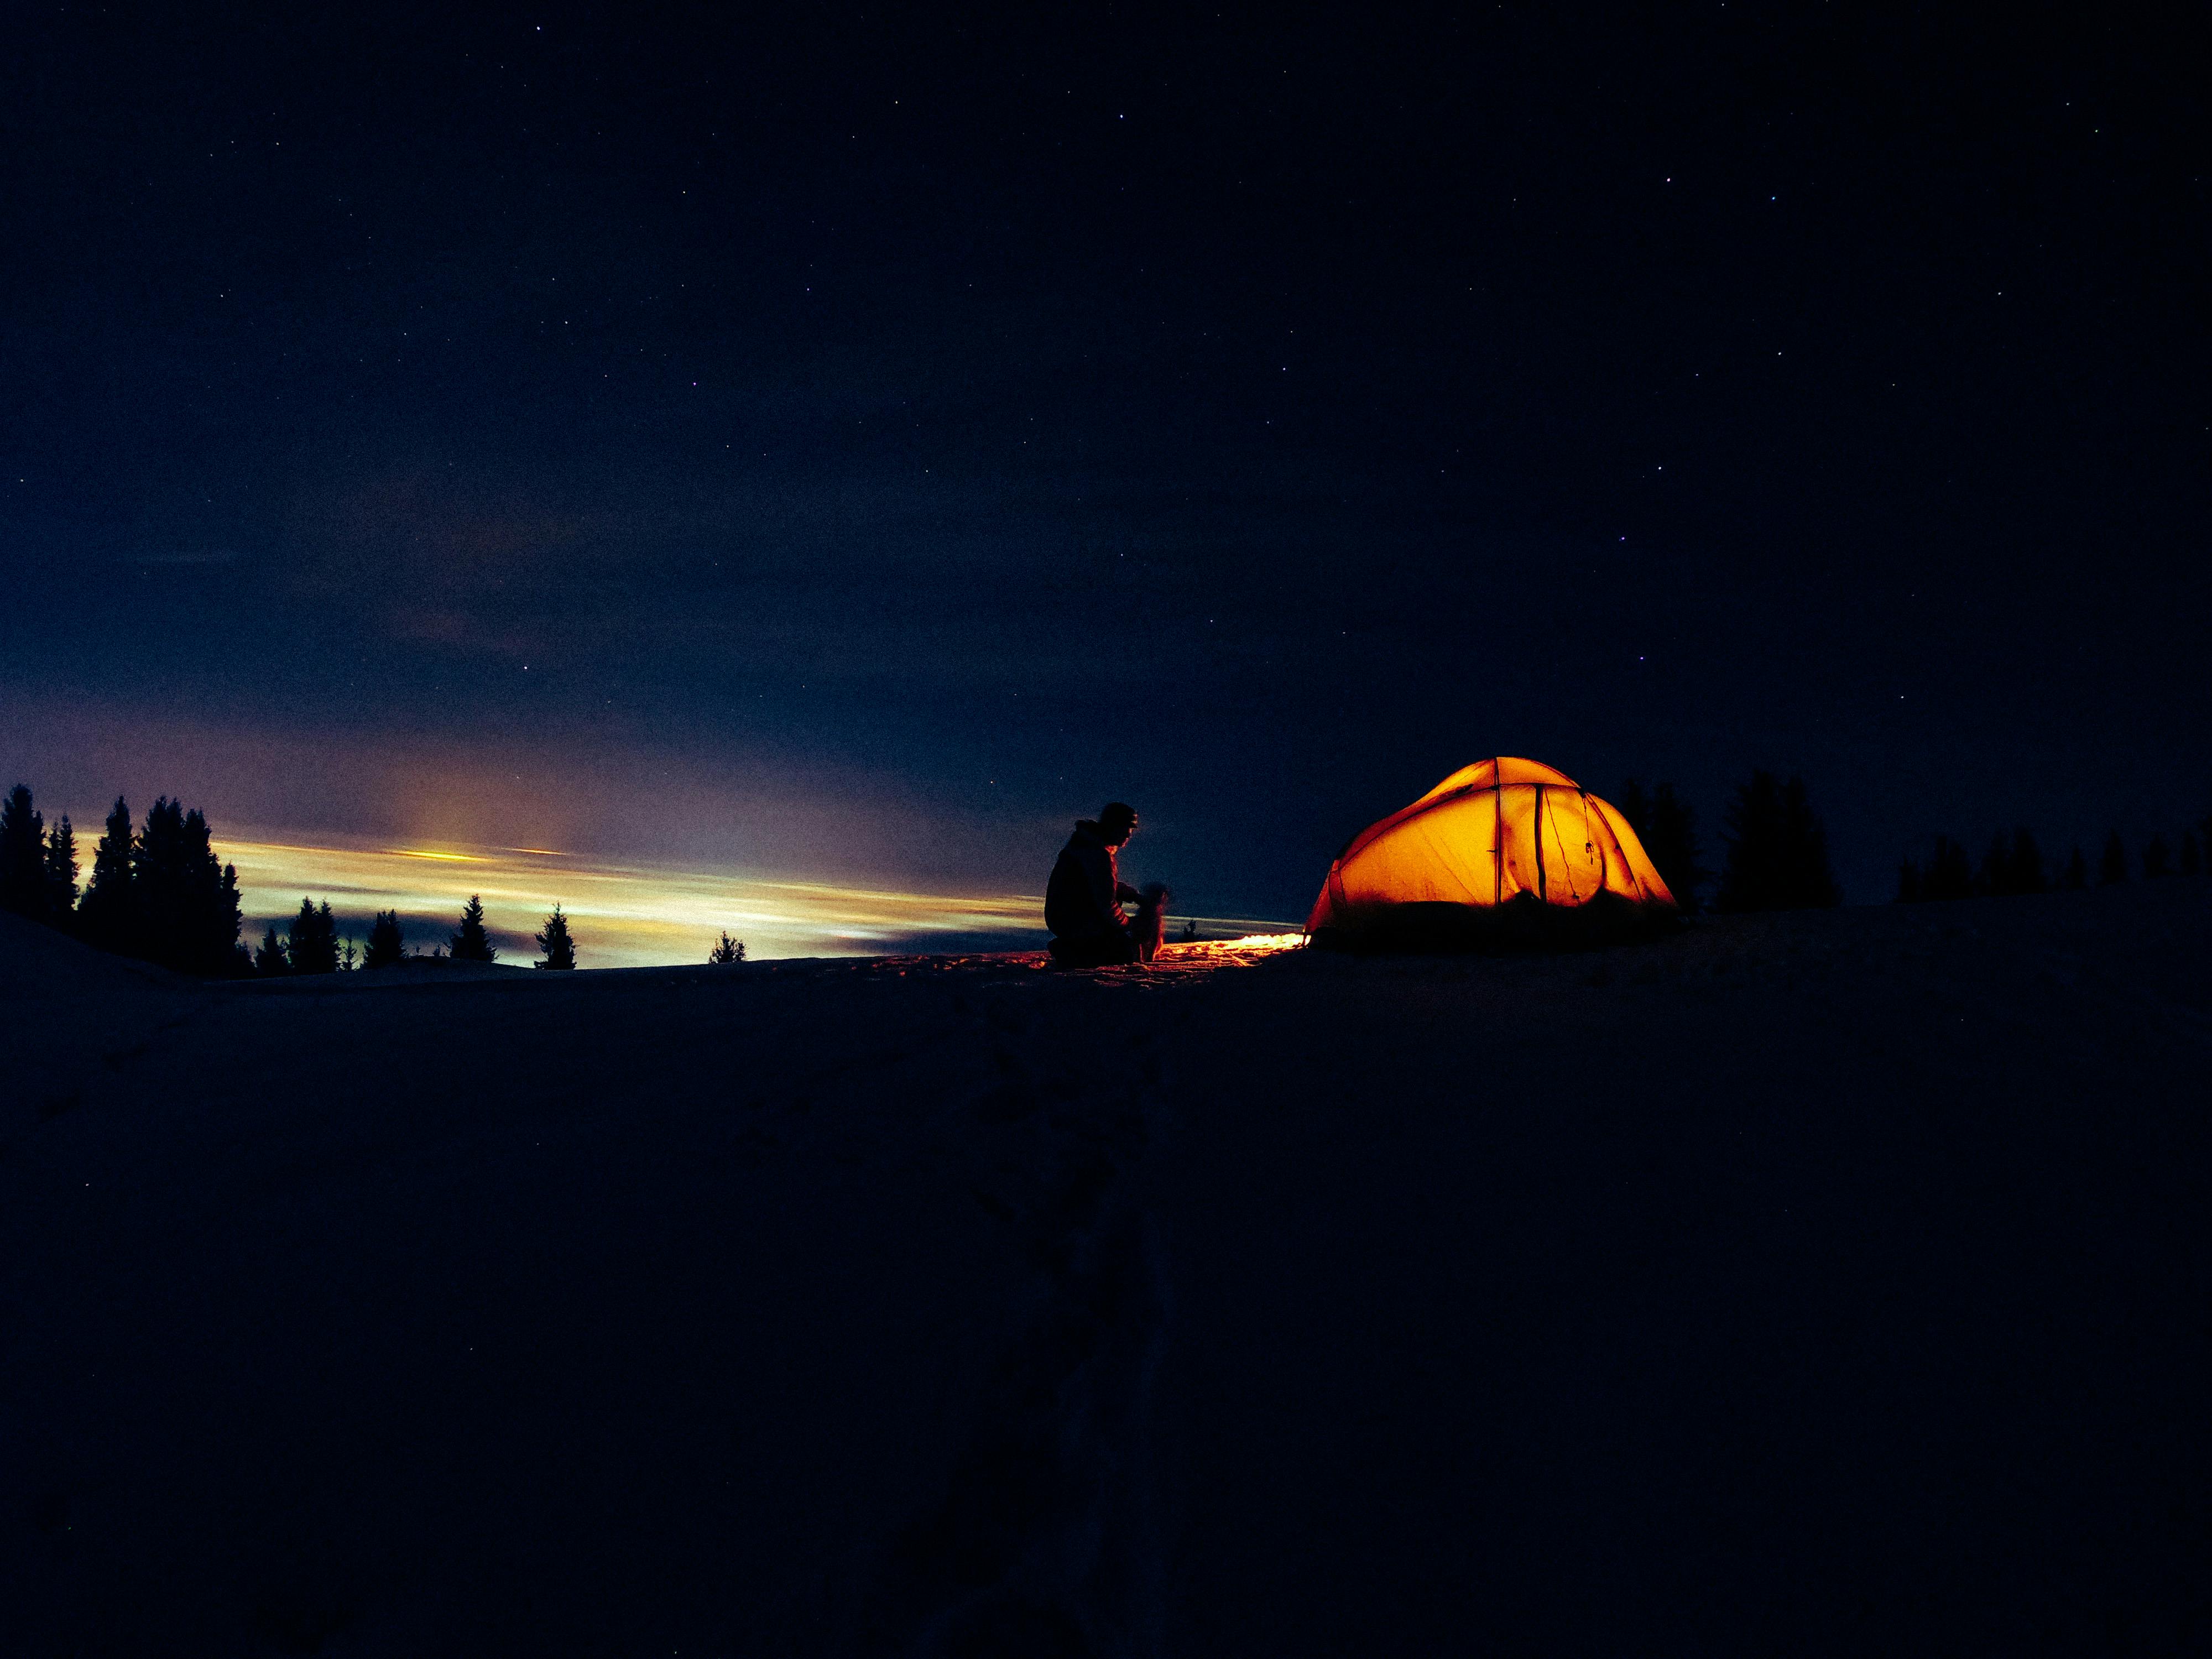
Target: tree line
(1776, 847)
(2014, 864)
(314, 946)
(1778, 854)
(158, 893)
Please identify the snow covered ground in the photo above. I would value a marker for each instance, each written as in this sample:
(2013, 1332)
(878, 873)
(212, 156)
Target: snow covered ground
(1829, 1282)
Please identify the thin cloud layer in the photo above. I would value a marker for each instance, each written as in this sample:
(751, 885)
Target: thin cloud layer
(622, 916)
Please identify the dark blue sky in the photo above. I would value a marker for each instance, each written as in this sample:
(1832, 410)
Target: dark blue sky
(860, 446)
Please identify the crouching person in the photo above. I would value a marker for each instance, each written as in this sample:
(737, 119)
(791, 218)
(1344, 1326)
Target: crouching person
(1083, 900)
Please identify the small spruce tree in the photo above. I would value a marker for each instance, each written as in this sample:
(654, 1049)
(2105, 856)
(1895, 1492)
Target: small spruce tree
(2192, 854)
(1669, 829)
(1778, 850)
(61, 873)
(2158, 858)
(107, 915)
(161, 880)
(314, 943)
(1950, 872)
(2112, 867)
(2012, 866)
(727, 951)
(2075, 874)
(22, 856)
(386, 943)
(471, 943)
(270, 959)
(559, 949)
(1995, 876)
(1912, 881)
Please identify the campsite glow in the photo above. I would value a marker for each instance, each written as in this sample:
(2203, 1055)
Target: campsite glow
(1264, 944)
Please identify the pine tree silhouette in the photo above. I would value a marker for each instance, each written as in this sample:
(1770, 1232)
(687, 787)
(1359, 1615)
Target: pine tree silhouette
(108, 915)
(22, 856)
(2011, 868)
(1778, 850)
(1995, 876)
(160, 878)
(2112, 867)
(185, 904)
(313, 948)
(61, 873)
(2192, 854)
(2027, 873)
(270, 959)
(2075, 875)
(386, 944)
(1911, 882)
(1950, 873)
(2158, 858)
(471, 943)
(559, 949)
(213, 948)
(727, 951)
(1669, 829)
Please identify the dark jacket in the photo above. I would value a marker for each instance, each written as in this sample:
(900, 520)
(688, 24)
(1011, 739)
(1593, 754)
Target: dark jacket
(1084, 894)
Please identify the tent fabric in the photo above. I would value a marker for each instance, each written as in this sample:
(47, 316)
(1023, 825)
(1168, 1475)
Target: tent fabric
(1504, 832)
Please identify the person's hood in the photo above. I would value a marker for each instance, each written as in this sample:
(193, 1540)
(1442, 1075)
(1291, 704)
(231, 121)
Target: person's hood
(1088, 829)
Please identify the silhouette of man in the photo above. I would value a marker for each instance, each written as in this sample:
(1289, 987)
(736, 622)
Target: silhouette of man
(1083, 900)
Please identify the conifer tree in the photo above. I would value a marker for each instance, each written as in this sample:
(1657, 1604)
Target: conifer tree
(184, 902)
(272, 959)
(22, 856)
(1669, 829)
(1777, 856)
(471, 943)
(61, 873)
(2157, 860)
(313, 948)
(107, 915)
(2076, 874)
(1995, 876)
(2192, 855)
(161, 883)
(1950, 874)
(2112, 867)
(2012, 866)
(2027, 865)
(211, 946)
(559, 949)
(727, 951)
(1911, 882)
(386, 944)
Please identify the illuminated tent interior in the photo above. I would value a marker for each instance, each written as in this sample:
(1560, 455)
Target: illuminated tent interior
(1506, 850)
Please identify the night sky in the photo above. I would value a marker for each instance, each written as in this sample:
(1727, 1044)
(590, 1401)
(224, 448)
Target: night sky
(857, 447)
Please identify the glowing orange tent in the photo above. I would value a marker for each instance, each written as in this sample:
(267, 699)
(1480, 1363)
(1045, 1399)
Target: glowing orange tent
(1507, 846)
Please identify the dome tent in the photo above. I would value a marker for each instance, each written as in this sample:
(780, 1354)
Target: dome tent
(1505, 851)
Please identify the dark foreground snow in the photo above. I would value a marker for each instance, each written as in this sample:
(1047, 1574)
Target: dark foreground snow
(1823, 1283)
